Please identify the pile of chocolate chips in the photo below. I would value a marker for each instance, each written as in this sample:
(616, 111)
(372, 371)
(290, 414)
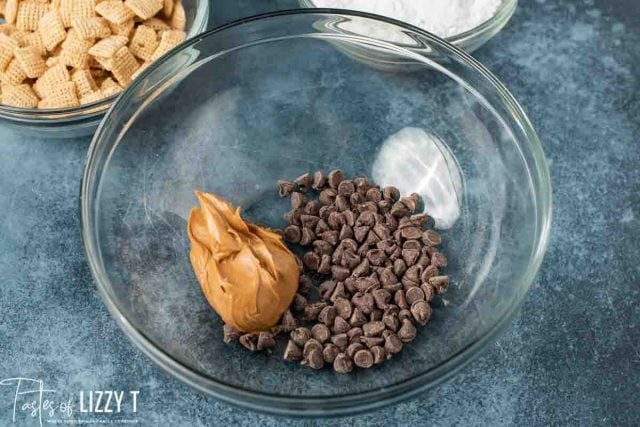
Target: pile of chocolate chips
(378, 269)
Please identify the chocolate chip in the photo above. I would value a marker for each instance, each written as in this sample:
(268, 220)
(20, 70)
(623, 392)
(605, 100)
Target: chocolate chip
(342, 364)
(374, 195)
(300, 336)
(309, 221)
(340, 273)
(355, 334)
(353, 349)
(364, 302)
(292, 234)
(327, 196)
(311, 260)
(319, 181)
(361, 232)
(388, 246)
(340, 340)
(312, 208)
(400, 299)
(230, 334)
(310, 345)
(343, 308)
(373, 329)
(299, 303)
(379, 355)
(349, 218)
(293, 217)
(327, 315)
(413, 273)
(424, 261)
(356, 199)
(349, 245)
(304, 182)
(336, 258)
(429, 272)
(421, 311)
(438, 260)
(367, 218)
(342, 203)
(428, 291)
(292, 352)
(315, 359)
(381, 298)
(321, 227)
(399, 267)
(312, 311)
(297, 200)
(372, 341)
(340, 326)
(414, 294)
(410, 202)
(363, 359)
(325, 265)
(336, 220)
(391, 193)
(407, 283)
(362, 184)
(288, 322)
(335, 178)
(265, 341)
(376, 314)
(325, 211)
(397, 253)
(388, 278)
(411, 233)
(399, 210)
(407, 332)
(339, 292)
(285, 188)
(320, 332)
(358, 318)
(439, 283)
(346, 188)
(330, 352)
(392, 344)
(249, 341)
(324, 247)
(376, 257)
(346, 232)
(362, 269)
(412, 244)
(391, 321)
(326, 288)
(382, 231)
(405, 314)
(308, 236)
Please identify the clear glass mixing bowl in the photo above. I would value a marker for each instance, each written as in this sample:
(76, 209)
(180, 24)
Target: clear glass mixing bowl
(268, 98)
(81, 121)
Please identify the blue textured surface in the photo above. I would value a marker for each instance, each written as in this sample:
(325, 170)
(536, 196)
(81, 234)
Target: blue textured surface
(572, 357)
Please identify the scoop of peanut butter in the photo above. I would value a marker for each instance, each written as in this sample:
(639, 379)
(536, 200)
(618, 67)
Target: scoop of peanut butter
(246, 272)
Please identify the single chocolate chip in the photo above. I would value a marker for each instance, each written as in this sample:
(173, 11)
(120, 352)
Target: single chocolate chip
(315, 359)
(382, 231)
(354, 335)
(325, 265)
(356, 199)
(421, 311)
(292, 352)
(294, 217)
(362, 269)
(438, 260)
(230, 334)
(363, 359)
(327, 315)
(361, 232)
(335, 178)
(382, 298)
(391, 193)
(376, 315)
(343, 308)
(349, 244)
(311, 260)
(342, 203)
(414, 294)
(309, 221)
(367, 218)
(392, 344)
(308, 236)
(340, 326)
(373, 329)
(376, 256)
(410, 203)
(346, 188)
(349, 218)
(405, 314)
(292, 234)
(410, 256)
(310, 345)
(350, 260)
(320, 332)
(288, 322)
(387, 245)
(324, 246)
(407, 283)
(391, 321)
(300, 336)
(412, 244)
(399, 210)
(304, 182)
(429, 272)
(340, 273)
(384, 206)
(312, 208)
(346, 232)
(327, 196)
(312, 311)
(336, 220)
(336, 258)
(330, 352)
(249, 341)
(362, 184)
(340, 340)
(325, 211)
(372, 341)
(319, 181)
(428, 290)
(439, 283)
(285, 188)
(326, 288)
(392, 309)
(265, 341)
(358, 318)
(379, 355)
(374, 195)
(321, 227)
(431, 238)
(297, 200)
(399, 267)
(388, 278)
(413, 273)
(419, 219)
(353, 349)
(299, 303)
(424, 261)
(400, 299)
(364, 302)
(407, 332)
(411, 233)
(339, 292)
(397, 253)
(342, 364)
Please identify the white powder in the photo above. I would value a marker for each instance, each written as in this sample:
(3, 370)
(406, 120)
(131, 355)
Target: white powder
(445, 18)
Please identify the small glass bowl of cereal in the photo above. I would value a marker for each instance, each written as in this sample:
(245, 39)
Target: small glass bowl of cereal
(62, 67)
(271, 98)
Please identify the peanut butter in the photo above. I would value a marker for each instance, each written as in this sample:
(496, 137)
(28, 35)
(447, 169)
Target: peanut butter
(245, 271)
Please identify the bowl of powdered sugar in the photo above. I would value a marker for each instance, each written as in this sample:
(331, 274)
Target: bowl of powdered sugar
(467, 24)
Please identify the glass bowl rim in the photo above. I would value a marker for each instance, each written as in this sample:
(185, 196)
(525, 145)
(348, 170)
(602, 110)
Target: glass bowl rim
(504, 11)
(96, 108)
(336, 405)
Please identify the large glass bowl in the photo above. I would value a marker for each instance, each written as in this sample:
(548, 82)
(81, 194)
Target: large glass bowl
(268, 98)
(83, 120)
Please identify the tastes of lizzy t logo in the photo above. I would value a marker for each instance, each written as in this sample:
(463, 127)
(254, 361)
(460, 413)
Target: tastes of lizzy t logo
(33, 400)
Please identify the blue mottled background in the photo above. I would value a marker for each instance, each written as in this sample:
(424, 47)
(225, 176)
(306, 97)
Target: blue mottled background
(571, 358)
